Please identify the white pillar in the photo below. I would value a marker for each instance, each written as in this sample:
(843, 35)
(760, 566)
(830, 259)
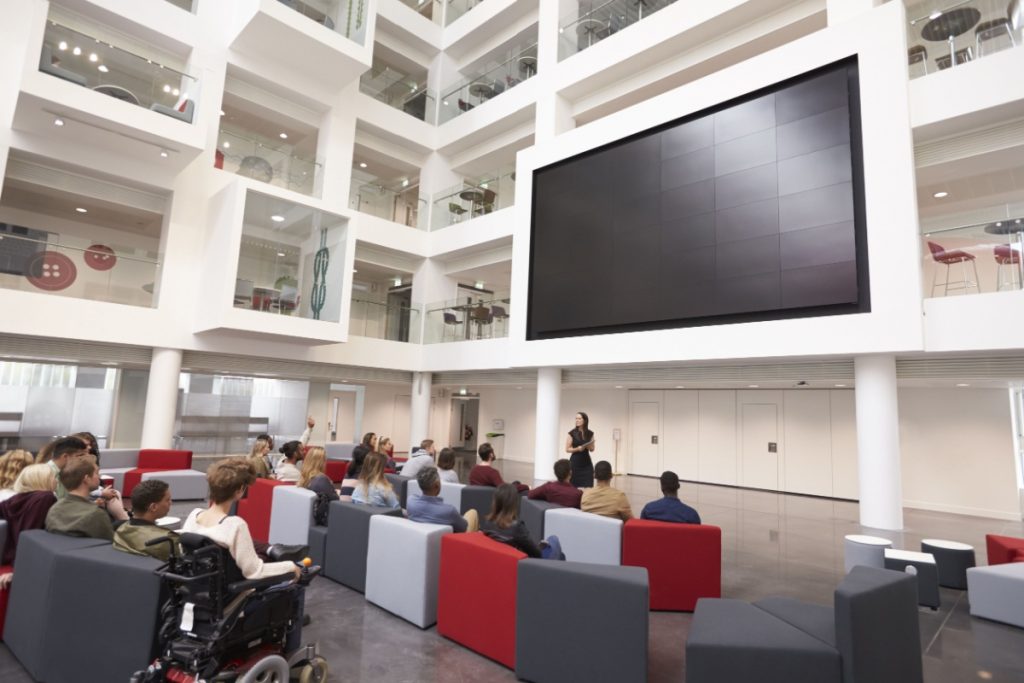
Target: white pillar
(161, 399)
(419, 411)
(548, 446)
(878, 442)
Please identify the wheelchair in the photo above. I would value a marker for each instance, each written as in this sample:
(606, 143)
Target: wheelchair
(219, 627)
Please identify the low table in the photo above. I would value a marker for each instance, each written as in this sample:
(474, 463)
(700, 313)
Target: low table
(952, 559)
(921, 565)
(859, 549)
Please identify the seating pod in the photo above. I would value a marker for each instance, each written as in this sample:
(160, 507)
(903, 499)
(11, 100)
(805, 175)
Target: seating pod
(581, 643)
(401, 486)
(476, 600)
(1003, 549)
(257, 506)
(291, 515)
(348, 540)
(339, 451)
(532, 513)
(115, 462)
(871, 635)
(995, 592)
(477, 498)
(155, 460)
(402, 567)
(684, 561)
(586, 537)
(184, 484)
(336, 470)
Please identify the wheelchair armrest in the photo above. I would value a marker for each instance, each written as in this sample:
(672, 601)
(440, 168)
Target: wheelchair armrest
(265, 582)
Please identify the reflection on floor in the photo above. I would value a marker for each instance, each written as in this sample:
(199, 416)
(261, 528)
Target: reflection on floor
(772, 545)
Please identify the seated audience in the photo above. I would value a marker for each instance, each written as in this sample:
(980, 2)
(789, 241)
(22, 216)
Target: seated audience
(90, 440)
(370, 441)
(431, 509)
(560, 491)
(77, 514)
(259, 458)
(314, 478)
(26, 509)
(484, 473)
(58, 453)
(151, 500)
(670, 508)
(421, 457)
(503, 525)
(355, 466)
(604, 499)
(385, 448)
(228, 480)
(446, 466)
(11, 465)
(373, 487)
(288, 468)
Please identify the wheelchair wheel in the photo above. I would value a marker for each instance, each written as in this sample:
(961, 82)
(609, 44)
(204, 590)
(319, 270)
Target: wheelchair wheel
(315, 671)
(272, 669)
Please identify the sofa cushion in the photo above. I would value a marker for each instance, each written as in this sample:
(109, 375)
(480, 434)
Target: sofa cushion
(684, 560)
(257, 506)
(291, 515)
(532, 513)
(997, 592)
(165, 459)
(585, 537)
(816, 620)
(402, 567)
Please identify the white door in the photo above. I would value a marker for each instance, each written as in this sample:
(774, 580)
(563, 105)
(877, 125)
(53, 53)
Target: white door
(680, 447)
(645, 434)
(341, 416)
(759, 460)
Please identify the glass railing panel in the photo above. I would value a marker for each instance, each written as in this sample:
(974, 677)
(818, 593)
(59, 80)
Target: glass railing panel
(398, 90)
(973, 259)
(943, 34)
(104, 68)
(404, 207)
(248, 155)
(383, 321)
(470, 200)
(595, 20)
(347, 17)
(467, 319)
(473, 91)
(456, 8)
(65, 265)
(429, 9)
(187, 5)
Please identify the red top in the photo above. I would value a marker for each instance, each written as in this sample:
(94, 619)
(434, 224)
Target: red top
(559, 492)
(485, 475)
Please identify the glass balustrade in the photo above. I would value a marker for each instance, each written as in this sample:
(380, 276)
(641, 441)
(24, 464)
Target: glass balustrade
(401, 91)
(467, 319)
(595, 20)
(973, 259)
(399, 206)
(473, 91)
(428, 9)
(259, 158)
(347, 17)
(469, 200)
(65, 265)
(456, 8)
(86, 61)
(943, 34)
(379, 320)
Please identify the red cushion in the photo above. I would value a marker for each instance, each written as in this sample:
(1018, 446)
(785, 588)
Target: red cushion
(476, 600)
(133, 477)
(336, 469)
(255, 507)
(165, 459)
(683, 561)
(1001, 548)
(5, 594)
(1017, 556)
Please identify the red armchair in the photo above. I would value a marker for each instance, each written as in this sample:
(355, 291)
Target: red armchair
(683, 561)
(255, 507)
(1003, 549)
(155, 460)
(335, 470)
(476, 601)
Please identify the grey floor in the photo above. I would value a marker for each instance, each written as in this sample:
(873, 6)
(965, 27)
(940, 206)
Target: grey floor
(772, 545)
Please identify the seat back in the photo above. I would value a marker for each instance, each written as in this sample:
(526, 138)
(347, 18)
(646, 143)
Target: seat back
(3, 536)
(877, 629)
(936, 250)
(339, 451)
(401, 486)
(532, 513)
(477, 498)
(257, 507)
(167, 459)
(684, 561)
(586, 537)
(1001, 549)
(452, 494)
(119, 457)
(403, 562)
(291, 515)
(336, 470)
(348, 539)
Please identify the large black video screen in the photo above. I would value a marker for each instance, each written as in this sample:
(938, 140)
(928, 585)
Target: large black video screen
(750, 210)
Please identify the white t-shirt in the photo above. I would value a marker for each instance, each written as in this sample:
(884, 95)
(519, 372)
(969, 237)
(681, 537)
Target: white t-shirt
(448, 475)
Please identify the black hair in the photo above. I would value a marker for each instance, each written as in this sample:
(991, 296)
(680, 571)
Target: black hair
(69, 444)
(356, 465)
(147, 492)
(485, 451)
(586, 421)
(562, 469)
(291, 450)
(603, 471)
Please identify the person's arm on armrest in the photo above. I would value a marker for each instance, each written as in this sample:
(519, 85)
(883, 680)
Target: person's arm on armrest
(538, 493)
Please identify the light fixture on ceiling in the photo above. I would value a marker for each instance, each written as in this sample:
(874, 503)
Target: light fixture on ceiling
(753, 386)
(398, 282)
(280, 253)
(354, 270)
(226, 145)
(167, 88)
(175, 92)
(283, 136)
(618, 386)
(462, 391)
(58, 122)
(941, 194)
(962, 384)
(680, 386)
(93, 57)
(222, 112)
(81, 209)
(405, 182)
(277, 218)
(77, 51)
(164, 153)
(479, 284)
(62, 45)
(362, 164)
(840, 386)
(935, 15)
(483, 185)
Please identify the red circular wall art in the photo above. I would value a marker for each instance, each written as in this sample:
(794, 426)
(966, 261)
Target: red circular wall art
(51, 271)
(100, 257)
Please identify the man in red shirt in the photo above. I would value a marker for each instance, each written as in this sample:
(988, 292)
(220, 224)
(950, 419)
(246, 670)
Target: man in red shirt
(560, 491)
(484, 474)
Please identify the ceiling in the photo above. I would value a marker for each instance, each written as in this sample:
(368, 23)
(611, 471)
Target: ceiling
(299, 220)
(497, 277)
(381, 168)
(266, 125)
(371, 272)
(1000, 190)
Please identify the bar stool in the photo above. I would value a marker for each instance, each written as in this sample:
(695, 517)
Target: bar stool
(952, 559)
(948, 257)
(917, 55)
(869, 551)
(988, 32)
(450, 321)
(1006, 255)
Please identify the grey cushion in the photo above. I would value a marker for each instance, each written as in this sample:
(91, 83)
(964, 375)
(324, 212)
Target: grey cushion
(291, 515)
(586, 537)
(532, 514)
(477, 498)
(995, 592)
(583, 643)
(348, 539)
(127, 458)
(185, 484)
(318, 544)
(339, 451)
(926, 571)
(401, 486)
(731, 640)
(877, 627)
(951, 562)
(403, 567)
(815, 620)
(30, 613)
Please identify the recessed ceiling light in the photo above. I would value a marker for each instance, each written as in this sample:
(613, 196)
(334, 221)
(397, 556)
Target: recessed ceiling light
(680, 386)
(81, 209)
(280, 253)
(103, 68)
(222, 112)
(479, 284)
(283, 136)
(462, 392)
(753, 386)
(93, 57)
(618, 386)
(62, 45)
(398, 282)
(77, 51)
(167, 88)
(58, 122)
(942, 194)
(277, 218)
(483, 185)
(226, 145)
(963, 385)
(362, 164)
(405, 182)
(936, 14)
(841, 386)
(354, 270)
(163, 153)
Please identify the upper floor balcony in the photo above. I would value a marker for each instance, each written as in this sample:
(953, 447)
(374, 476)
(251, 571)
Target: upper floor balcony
(468, 318)
(594, 20)
(402, 86)
(474, 197)
(944, 34)
(487, 83)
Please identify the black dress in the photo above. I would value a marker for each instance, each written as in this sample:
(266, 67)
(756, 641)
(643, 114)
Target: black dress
(582, 465)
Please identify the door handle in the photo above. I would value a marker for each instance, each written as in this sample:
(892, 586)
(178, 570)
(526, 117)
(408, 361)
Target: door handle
(654, 439)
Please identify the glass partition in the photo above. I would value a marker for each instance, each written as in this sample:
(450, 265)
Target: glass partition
(347, 17)
(467, 318)
(973, 259)
(380, 320)
(456, 8)
(399, 90)
(595, 20)
(429, 9)
(943, 34)
(290, 259)
(64, 265)
(401, 205)
(473, 198)
(472, 91)
(104, 68)
(254, 156)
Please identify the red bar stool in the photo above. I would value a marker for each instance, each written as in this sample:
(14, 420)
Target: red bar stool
(1006, 255)
(948, 257)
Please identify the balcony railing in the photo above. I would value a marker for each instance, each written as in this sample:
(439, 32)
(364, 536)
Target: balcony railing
(456, 8)
(347, 17)
(398, 90)
(253, 157)
(104, 68)
(403, 206)
(467, 319)
(943, 34)
(472, 199)
(473, 91)
(384, 321)
(38, 261)
(595, 20)
(428, 9)
(973, 259)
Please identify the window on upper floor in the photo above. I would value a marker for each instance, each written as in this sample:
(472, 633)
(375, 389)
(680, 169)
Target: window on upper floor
(488, 79)
(400, 83)
(594, 20)
(474, 197)
(382, 304)
(386, 188)
(480, 308)
(943, 34)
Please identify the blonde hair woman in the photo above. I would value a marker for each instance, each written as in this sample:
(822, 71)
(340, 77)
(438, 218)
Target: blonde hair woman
(27, 508)
(257, 458)
(314, 476)
(11, 465)
(373, 487)
(387, 449)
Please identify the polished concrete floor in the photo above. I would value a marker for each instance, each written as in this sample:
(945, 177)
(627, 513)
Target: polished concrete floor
(772, 544)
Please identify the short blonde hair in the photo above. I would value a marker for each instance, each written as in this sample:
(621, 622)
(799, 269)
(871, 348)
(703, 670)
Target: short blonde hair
(11, 465)
(35, 478)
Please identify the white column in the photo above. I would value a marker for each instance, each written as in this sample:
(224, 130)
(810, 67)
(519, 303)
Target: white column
(878, 442)
(161, 399)
(419, 411)
(548, 446)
